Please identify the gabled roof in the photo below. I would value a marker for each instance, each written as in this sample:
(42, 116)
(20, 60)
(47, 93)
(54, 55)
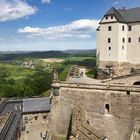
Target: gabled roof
(131, 15)
(125, 15)
(116, 13)
(34, 105)
(111, 11)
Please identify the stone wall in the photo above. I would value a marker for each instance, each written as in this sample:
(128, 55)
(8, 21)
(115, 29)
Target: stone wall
(110, 110)
(113, 69)
(35, 118)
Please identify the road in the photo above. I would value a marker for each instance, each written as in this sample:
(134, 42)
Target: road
(83, 78)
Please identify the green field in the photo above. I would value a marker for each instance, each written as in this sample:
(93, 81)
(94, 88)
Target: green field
(79, 58)
(63, 75)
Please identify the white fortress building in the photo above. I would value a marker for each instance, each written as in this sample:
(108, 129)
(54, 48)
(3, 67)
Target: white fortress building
(118, 38)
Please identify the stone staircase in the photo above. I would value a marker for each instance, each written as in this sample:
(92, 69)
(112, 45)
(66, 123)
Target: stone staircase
(81, 129)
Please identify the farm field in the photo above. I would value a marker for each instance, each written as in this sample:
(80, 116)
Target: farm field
(53, 60)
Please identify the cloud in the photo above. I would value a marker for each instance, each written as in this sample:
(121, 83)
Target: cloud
(79, 29)
(68, 9)
(116, 3)
(46, 1)
(14, 9)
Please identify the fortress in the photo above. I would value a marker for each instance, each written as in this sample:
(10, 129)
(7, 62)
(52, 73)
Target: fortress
(118, 40)
(81, 108)
(106, 109)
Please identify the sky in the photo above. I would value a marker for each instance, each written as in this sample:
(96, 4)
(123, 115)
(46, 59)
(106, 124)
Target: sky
(39, 25)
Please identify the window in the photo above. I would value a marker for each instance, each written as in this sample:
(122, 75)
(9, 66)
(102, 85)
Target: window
(129, 28)
(26, 120)
(109, 28)
(123, 47)
(139, 39)
(111, 17)
(36, 117)
(106, 17)
(123, 40)
(109, 48)
(122, 28)
(109, 40)
(44, 117)
(129, 39)
(107, 108)
(128, 92)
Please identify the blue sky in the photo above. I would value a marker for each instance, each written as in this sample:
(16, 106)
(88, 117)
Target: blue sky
(52, 24)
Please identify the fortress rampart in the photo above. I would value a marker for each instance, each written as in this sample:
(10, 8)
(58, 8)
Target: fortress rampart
(111, 109)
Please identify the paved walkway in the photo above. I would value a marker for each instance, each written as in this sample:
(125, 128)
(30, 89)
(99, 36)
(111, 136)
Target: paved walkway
(83, 78)
(34, 132)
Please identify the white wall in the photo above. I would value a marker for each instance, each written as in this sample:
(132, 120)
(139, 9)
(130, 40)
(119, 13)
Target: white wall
(133, 53)
(104, 20)
(122, 53)
(103, 45)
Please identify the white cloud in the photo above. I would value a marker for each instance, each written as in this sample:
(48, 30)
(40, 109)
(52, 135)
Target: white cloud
(46, 1)
(116, 3)
(83, 29)
(68, 9)
(14, 9)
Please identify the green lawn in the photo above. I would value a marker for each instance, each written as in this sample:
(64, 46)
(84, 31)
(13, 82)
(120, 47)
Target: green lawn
(47, 93)
(91, 74)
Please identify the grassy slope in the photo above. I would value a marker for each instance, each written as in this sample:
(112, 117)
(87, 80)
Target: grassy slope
(91, 74)
(63, 75)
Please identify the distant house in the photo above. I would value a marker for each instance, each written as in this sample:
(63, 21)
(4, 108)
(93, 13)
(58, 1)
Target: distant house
(118, 37)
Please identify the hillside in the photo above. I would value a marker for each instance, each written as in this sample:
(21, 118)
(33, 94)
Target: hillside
(44, 54)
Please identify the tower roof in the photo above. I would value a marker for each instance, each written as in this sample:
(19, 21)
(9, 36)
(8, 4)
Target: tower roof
(125, 15)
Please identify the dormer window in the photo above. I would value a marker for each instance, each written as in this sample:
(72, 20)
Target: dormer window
(111, 17)
(106, 17)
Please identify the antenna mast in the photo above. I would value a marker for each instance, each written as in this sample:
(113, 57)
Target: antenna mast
(123, 4)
